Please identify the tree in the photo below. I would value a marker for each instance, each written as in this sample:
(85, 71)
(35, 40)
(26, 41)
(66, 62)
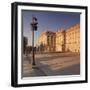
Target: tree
(25, 42)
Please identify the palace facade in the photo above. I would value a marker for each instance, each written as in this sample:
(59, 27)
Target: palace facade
(61, 40)
(47, 41)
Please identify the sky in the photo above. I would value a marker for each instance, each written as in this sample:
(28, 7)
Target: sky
(47, 21)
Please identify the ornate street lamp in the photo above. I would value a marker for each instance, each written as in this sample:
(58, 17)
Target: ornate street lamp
(33, 28)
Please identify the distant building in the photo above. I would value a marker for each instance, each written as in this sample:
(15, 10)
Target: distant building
(61, 40)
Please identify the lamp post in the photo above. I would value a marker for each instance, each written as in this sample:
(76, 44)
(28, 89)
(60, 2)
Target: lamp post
(33, 28)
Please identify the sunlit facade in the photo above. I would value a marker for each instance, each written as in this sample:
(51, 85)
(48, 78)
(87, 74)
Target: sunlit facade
(47, 41)
(61, 40)
(73, 39)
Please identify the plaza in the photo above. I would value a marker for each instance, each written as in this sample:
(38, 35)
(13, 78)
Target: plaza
(51, 64)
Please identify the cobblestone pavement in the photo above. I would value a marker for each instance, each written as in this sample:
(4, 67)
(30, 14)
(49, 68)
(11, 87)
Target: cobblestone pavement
(52, 64)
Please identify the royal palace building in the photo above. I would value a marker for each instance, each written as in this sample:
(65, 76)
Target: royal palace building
(61, 41)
